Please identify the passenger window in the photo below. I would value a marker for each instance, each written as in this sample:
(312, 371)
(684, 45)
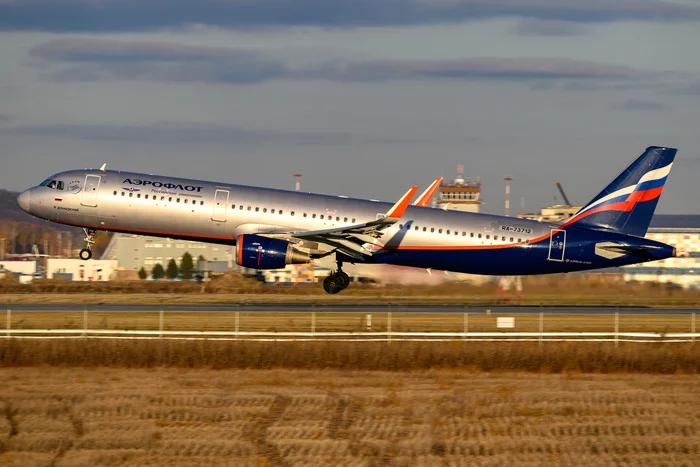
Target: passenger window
(139, 195)
(313, 216)
(488, 237)
(272, 211)
(131, 195)
(457, 233)
(520, 240)
(479, 235)
(416, 228)
(304, 214)
(257, 209)
(432, 229)
(281, 212)
(448, 232)
(345, 219)
(249, 208)
(264, 209)
(170, 199)
(471, 234)
(353, 220)
(115, 193)
(511, 239)
(146, 197)
(240, 207)
(425, 229)
(291, 213)
(337, 219)
(503, 239)
(201, 203)
(162, 198)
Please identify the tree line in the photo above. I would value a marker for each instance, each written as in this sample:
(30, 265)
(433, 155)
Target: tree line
(184, 271)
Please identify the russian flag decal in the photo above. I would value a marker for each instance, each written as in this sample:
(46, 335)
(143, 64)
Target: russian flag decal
(58, 200)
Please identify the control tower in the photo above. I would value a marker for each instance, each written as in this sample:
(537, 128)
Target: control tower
(461, 194)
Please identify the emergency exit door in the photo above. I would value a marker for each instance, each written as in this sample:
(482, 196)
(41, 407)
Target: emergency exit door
(557, 245)
(220, 205)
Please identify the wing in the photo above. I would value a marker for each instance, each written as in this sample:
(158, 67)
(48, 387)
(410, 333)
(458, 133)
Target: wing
(348, 239)
(428, 194)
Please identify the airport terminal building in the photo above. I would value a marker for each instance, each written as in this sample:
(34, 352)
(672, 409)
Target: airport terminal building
(135, 251)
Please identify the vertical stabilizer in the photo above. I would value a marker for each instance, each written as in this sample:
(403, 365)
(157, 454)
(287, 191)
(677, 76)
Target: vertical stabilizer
(628, 203)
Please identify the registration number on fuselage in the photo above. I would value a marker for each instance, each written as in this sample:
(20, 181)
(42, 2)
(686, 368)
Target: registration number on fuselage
(511, 228)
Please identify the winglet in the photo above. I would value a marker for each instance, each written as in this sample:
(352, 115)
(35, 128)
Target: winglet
(104, 166)
(400, 207)
(427, 195)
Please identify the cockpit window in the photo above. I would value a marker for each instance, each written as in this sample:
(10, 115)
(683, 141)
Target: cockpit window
(52, 184)
(45, 182)
(60, 186)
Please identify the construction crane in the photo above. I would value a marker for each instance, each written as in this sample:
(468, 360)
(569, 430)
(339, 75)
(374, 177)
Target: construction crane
(563, 195)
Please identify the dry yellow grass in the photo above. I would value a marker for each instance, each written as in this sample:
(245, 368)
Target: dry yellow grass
(397, 356)
(194, 417)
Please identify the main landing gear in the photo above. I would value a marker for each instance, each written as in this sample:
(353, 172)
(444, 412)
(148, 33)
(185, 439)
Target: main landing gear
(337, 281)
(86, 253)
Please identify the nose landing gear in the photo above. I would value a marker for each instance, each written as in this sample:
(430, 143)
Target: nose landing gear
(86, 253)
(337, 281)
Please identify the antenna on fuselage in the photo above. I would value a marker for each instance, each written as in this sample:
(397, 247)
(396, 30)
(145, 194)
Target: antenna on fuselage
(104, 166)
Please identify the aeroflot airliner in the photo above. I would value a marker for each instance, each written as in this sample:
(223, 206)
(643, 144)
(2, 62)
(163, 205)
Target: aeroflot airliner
(272, 228)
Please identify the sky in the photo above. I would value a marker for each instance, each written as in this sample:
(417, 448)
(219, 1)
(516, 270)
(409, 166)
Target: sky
(363, 97)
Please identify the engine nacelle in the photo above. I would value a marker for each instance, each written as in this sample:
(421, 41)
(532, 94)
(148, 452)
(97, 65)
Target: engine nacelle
(257, 252)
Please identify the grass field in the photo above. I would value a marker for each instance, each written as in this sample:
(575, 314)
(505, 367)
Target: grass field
(68, 416)
(347, 322)
(558, 289)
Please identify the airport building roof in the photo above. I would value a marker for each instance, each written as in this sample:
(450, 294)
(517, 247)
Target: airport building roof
(675, 222)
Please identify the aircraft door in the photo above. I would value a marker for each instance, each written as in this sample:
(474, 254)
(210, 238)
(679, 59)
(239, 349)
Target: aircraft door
(220, 206)
(557, 245)
(90, 190)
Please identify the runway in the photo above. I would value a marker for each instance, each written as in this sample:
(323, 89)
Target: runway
(345, 308)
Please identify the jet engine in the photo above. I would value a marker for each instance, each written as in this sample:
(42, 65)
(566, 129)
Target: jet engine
(258, 252)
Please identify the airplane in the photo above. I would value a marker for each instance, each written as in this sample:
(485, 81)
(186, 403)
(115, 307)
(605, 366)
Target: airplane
(272, 228)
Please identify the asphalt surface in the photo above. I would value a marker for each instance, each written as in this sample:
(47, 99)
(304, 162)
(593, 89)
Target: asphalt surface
(307, 308)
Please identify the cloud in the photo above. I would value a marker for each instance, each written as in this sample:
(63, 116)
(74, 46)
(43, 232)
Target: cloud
(105, 60)
(507, 69)
(639, 105)
(538, 27)
(139, 15)
(193, 133)
(692, 89)
(110, 60)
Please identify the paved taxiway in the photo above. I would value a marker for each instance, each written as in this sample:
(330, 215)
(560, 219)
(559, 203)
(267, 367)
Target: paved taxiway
(306, 308)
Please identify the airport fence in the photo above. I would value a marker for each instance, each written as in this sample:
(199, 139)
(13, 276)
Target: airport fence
(467, 324)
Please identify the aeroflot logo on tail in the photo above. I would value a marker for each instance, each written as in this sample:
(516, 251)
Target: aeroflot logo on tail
(169, 186)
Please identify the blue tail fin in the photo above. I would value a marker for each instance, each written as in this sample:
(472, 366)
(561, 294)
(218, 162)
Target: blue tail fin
(628, 203)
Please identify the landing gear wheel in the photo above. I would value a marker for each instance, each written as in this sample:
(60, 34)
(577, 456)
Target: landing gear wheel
(332, 284)
(85, 254)
(343, 278)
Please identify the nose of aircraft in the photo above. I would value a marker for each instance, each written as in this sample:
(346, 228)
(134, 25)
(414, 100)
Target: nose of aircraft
(23, 200)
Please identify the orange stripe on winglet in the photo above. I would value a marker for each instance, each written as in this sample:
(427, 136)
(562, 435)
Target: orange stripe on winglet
(400, 207)
(428, 194)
